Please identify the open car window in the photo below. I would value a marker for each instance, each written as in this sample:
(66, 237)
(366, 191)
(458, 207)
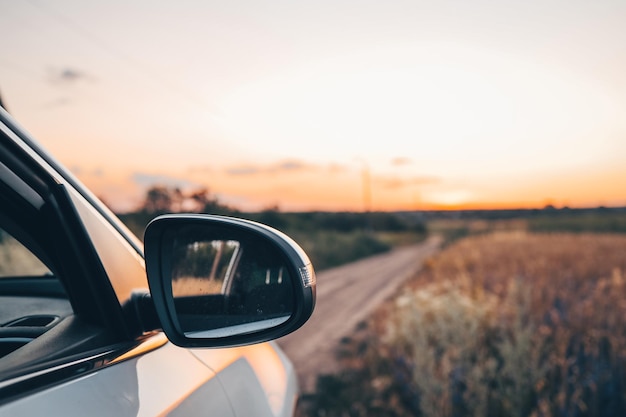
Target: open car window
(18, 261)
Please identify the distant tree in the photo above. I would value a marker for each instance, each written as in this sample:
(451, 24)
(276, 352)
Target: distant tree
(159, 199)
(177, 200)
(199, 199)
(213, 206)
(272, 217)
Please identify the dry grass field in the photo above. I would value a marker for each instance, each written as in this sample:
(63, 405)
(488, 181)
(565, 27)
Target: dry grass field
(499, 324)
(16, 260)
(192, 286)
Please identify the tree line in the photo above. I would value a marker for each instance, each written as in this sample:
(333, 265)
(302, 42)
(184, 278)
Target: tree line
(162, 199)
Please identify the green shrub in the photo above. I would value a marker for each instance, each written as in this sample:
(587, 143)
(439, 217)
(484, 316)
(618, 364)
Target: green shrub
(327, 249)
(596, 222)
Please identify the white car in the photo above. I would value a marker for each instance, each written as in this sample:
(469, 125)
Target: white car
(92, 326)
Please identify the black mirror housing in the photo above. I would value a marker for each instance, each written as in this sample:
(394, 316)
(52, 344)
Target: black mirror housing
(219, 281)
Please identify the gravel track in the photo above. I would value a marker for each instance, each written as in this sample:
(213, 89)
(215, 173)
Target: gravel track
(346, 295)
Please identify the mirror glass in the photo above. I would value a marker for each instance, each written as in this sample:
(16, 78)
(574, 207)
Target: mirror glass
(225, 284)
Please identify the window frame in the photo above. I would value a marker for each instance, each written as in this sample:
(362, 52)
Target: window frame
(40, 214)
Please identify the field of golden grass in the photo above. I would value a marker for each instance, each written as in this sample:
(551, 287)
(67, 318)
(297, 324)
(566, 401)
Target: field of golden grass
(192, 286)
(499, 324)
(16, 260)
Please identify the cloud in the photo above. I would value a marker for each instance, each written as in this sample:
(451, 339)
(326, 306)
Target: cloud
(59, 102)
(64, 78)
(392, 183)
(243, 170)
(400, 161)
(149, 180)
(336, 168)
(80, 171)
(67, 76)
(423, 180)
(290, 165)
(201, 169)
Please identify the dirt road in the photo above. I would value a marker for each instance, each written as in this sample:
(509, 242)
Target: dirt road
(346, 295)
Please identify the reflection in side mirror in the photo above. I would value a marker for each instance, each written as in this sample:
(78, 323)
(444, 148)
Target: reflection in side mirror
(222, 287)
(220, 281)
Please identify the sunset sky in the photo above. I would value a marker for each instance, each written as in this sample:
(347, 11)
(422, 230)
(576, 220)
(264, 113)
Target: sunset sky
(327, 105)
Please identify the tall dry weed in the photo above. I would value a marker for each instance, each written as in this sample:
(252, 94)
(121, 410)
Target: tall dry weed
(504, 324)
(16, 260)
(516, 324)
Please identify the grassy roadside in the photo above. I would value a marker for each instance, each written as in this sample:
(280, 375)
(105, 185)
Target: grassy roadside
(498, 324)
(330, 239)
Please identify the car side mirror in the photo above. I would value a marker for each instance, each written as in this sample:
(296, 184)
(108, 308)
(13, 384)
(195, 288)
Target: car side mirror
(219, 281)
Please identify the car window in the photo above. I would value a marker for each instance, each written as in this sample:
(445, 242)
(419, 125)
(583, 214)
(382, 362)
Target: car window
(18, 261)
(123, 264)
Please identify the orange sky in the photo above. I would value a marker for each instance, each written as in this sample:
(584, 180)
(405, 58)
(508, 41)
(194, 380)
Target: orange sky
(332, 105)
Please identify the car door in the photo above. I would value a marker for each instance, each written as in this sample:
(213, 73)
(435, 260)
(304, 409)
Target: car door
(164, 381)
(68, 346)
(80, 333)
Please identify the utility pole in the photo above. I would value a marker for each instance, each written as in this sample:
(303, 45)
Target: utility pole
(367, 197)
(367, 188)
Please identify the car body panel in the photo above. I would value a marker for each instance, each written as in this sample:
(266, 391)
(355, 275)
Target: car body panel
(167, 381)
(242, 370)
(158, 378)
(124, 266)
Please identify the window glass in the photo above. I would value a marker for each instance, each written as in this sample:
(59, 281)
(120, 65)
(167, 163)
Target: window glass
(123, 264)
(16, 260)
